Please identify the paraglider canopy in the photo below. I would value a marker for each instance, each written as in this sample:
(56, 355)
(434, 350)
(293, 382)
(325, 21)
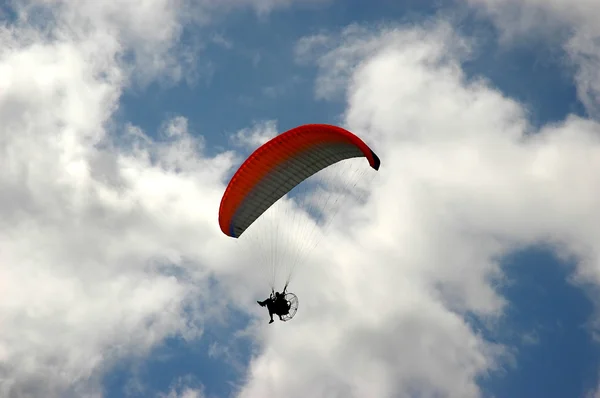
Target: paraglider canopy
(279, 165)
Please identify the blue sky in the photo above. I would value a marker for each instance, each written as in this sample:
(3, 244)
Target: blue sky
(512, 317)
(561, 360)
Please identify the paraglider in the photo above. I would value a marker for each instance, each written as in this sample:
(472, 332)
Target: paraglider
(273, 171)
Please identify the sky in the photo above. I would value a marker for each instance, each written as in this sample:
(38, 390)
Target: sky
(470, 266)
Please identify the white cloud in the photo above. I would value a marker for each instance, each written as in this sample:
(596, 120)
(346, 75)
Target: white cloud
(571, 24)
(222, 41)
(594, 393)
(139, 38)
(88, 232)
(337, 62)
(256, 135)
(181, 389)
(264, 7)
(104, 248)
